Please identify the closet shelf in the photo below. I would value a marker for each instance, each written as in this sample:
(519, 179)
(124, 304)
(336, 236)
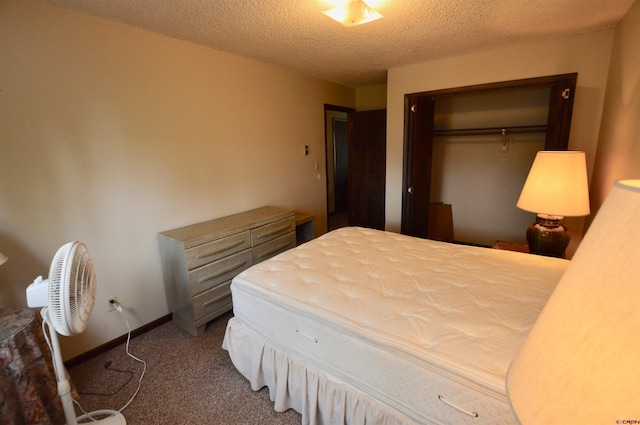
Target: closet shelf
(492, 131)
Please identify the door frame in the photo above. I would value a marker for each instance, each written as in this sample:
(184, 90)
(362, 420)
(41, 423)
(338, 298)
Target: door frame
(329, 157)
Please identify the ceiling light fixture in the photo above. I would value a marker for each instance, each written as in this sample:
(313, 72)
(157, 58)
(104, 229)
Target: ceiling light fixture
(353, 12)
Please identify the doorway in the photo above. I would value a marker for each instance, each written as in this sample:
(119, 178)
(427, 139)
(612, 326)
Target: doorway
(337, 158)
(356, 167)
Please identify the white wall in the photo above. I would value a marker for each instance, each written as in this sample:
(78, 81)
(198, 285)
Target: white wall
(619, 146)
(480, 181)
(586, 54)
(111, 134)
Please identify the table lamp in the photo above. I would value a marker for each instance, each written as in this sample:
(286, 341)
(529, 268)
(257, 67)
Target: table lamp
(580, 363)
(556, 187)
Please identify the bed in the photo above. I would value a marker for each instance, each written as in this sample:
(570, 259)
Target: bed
(366, 326)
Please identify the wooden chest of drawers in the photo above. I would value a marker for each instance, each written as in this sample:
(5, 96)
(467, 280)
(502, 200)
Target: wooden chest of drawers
(199, 261)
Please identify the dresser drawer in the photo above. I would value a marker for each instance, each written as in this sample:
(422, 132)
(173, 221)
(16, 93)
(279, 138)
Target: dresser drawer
(212, 251)
(220, 271)
(211, 300)
(270, 231)
(274, 247)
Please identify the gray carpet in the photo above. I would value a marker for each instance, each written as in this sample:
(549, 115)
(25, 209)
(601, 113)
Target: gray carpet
(188, 381)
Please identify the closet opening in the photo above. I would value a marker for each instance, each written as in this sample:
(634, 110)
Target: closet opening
(470, 149)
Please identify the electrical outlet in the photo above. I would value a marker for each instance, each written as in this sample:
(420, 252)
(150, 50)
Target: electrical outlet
(111, 303)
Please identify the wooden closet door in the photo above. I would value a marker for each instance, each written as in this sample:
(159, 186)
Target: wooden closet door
(560, 111)
(367, 168)
(416, 197)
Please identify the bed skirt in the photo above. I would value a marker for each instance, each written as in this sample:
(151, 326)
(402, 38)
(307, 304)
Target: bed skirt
(320, 398)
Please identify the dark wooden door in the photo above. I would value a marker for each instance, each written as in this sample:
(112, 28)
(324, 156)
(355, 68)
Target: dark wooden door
(418, 145)
(418, 164)
(560, 110)
(367, 168)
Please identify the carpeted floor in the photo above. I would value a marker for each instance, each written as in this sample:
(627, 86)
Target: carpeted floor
(188, 381)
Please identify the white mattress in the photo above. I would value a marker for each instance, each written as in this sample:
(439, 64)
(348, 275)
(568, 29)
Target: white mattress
(411, 323)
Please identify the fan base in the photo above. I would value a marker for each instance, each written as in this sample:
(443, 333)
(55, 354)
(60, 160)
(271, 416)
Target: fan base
(116, 418)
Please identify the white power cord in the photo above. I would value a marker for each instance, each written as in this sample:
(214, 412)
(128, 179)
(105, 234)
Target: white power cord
(61, 372)
(144, 369)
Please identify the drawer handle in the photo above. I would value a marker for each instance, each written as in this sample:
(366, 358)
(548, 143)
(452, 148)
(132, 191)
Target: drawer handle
(275, 231)
(219, 250)
(299, 332)
(221, 272)
(276, 249)
(466, 412)
(216, 299)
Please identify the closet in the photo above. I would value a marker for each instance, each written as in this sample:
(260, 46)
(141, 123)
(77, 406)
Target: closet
(472, 147)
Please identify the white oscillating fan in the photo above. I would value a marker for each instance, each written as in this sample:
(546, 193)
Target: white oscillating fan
(67, 298)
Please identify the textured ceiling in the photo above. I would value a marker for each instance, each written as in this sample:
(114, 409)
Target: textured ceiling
(296, 35)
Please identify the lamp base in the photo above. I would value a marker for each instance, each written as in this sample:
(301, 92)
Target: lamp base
(547, 236)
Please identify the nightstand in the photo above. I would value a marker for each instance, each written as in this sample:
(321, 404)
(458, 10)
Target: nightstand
(305, 224)
(511, 246)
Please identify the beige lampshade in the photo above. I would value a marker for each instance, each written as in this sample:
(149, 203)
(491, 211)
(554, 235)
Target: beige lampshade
(3, 258)
(557, 185)
(581, 362)
(353, 12)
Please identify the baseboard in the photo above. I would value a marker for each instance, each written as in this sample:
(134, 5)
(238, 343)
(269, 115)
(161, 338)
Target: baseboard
(115, 342)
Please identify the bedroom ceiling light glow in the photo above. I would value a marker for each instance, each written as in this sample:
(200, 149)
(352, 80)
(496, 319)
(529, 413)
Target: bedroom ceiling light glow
(579, 363)
(353, 12)
(556, 187)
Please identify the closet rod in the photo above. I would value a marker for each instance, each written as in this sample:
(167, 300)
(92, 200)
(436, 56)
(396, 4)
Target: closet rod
(492, 131)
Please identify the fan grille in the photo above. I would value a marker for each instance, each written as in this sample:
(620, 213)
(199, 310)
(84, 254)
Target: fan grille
(72, 288)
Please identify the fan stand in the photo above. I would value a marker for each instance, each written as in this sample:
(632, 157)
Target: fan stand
(64, 387)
